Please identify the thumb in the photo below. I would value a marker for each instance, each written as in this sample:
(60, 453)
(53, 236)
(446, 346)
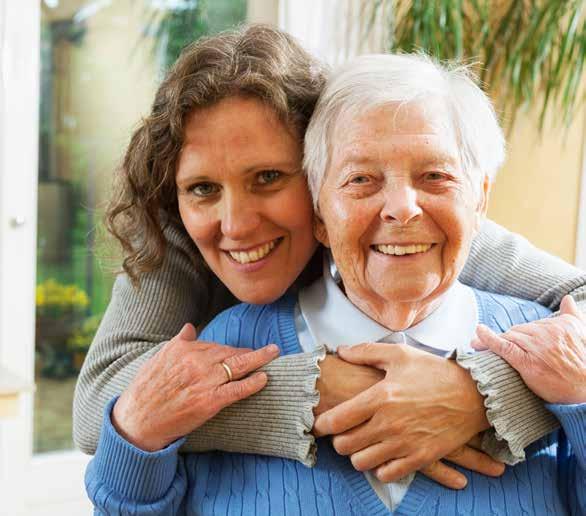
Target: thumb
(505, 348)
(371, 354)
(187, 332)
(568, 306)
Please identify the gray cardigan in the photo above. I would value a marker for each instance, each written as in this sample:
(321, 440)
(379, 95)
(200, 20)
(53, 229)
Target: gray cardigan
(278, 420)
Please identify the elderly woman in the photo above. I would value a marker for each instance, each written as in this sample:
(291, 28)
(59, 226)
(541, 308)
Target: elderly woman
(402, 183)
(264, 87)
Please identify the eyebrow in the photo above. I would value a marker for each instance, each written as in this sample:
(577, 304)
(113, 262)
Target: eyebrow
(283, 165)
(422, 161)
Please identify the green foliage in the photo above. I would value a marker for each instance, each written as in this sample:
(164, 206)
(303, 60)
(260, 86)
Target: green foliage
(175, 28)
(82, 337)
(527, 51)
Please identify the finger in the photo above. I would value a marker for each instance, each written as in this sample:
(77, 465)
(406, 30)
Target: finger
(232, 392)
(569, 306)
(358, 438)
(478, 345)
(398, 468)
(475, 460)
(445, 475)
(187, 332)
(372, 354)
(375, 455)
(501, 346)
(475, 442)
(245, 363)
(348, 414)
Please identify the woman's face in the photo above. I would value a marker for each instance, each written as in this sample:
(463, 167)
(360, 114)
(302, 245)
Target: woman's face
(243, 197)
(397, 209)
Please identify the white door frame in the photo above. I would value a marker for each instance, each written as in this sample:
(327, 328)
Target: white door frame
(51, 483)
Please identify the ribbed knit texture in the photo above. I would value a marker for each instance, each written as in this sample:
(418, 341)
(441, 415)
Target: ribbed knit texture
(551, 481)
(276, 421)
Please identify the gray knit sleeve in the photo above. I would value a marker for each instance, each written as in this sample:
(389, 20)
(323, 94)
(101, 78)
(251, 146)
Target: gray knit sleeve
(275, 421)
(506, 263)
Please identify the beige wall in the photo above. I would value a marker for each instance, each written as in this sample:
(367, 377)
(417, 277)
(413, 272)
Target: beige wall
(104, 86)
(537, 192)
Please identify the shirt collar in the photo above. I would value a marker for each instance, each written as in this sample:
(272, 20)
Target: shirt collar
(333, 320)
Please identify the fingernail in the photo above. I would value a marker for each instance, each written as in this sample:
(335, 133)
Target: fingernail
(461, 483)
(273, 348)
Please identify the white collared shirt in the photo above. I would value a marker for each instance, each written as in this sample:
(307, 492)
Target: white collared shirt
(325, 315)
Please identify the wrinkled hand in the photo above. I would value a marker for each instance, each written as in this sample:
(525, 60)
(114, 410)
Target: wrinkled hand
(426, 408)
(340, 381)
(550, 354)
(183, 386)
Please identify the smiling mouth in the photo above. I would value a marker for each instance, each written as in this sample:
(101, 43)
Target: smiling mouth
(256, 253)
(400, 250)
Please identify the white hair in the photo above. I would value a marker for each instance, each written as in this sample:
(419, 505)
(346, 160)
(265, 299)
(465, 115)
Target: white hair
(375, 80)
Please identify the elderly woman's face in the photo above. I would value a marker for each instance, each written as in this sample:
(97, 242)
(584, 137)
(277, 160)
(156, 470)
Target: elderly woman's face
(243, 197)
(396, 208)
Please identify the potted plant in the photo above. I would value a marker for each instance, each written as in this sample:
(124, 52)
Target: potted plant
(60, 308)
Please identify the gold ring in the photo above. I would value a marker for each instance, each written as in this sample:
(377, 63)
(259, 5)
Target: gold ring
(227, 369)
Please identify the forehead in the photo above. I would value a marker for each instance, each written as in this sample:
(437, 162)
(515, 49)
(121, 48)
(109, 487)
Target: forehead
(239, 132)
(419, 129)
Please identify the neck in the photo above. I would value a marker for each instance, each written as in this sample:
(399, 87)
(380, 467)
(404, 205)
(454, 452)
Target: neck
(396, 316)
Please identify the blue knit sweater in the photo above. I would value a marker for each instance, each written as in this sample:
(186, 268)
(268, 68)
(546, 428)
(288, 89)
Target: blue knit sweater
(122, 479)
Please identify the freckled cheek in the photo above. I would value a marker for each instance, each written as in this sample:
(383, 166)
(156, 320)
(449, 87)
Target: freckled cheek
(202, 225)
(348, 221)
(293, 210)
(457, 231)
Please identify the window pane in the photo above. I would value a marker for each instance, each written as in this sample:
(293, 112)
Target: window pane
(101, 60)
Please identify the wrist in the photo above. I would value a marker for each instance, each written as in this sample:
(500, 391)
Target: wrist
(125, 425)
(340, 381)
(473, 398)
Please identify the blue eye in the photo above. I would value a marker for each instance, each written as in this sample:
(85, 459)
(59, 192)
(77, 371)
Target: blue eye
(204, 189)
(359, 180)
(267, 177)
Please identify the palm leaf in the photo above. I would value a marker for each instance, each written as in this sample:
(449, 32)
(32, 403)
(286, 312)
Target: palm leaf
(528, 51)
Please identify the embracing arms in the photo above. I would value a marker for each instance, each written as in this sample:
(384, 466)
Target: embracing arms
(138, 323)
(277, 420)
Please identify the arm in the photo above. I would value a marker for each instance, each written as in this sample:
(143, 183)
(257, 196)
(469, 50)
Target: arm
(556, 370)
(573, 461)
(122, 478)
(139, 322)
(506, 263)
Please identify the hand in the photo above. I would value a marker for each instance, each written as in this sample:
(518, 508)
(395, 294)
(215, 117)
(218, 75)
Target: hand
(183, 386)
(426, 408)
(340, 381)
(550, 354)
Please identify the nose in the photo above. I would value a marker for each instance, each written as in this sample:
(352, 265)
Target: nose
(240, 217)
(401, 204)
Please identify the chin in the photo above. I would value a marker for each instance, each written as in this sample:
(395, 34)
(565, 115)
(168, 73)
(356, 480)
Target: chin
(409, 293)
(259, 297)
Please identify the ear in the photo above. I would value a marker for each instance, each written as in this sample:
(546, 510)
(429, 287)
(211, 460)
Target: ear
(319, 230)
(482, 205)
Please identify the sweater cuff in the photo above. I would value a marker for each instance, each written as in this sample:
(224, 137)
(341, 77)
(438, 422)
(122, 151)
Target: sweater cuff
(276, 421)
(129, 471)
(517, 416)
(573, 420)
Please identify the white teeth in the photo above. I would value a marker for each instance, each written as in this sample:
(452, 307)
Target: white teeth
(400, 250)
(254, 255)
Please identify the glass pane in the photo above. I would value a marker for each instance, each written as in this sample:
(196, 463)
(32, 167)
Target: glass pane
(101, 60)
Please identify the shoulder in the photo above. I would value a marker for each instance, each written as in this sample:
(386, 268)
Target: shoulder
(253, 326)
(500, 312)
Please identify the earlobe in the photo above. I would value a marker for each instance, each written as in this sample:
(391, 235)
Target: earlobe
(482, 205)
(319, 231)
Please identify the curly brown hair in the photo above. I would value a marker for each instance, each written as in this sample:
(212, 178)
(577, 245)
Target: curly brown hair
(256, 60)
